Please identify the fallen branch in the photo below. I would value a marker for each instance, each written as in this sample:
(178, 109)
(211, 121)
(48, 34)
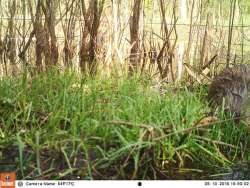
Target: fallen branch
(188, 130)
(204, 122)
(130, 124)
(210, 62)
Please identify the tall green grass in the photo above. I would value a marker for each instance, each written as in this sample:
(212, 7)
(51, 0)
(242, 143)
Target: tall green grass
(63, 126)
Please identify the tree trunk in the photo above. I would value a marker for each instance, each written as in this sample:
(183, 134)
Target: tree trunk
(134, 36)
(92, 18)
(52, 50)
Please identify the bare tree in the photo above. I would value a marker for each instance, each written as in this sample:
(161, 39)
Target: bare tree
(69, 31)
(10, 38)
(92, 18)
(45, 34)
(134, 36)
(230, 32)
(168, 47)
(51, 51)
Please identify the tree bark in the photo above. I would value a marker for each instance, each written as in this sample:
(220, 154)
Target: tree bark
(134, 36)
(92, 18)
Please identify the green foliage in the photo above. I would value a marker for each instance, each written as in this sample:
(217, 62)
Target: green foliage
(62, 126)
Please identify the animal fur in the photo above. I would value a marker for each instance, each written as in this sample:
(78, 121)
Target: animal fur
(231, 86)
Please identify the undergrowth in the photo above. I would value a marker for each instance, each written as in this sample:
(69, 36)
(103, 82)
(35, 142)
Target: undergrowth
(63, 126)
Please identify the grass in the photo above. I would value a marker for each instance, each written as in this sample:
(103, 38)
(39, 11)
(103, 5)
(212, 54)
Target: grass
(62, 126)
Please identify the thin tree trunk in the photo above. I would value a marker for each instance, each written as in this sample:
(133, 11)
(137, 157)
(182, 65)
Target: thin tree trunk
(134, 36)
(93, 35)
(12, 37)
(190, 33)
(92, 18)
(39, 34)
(230, 32)
(52, 50)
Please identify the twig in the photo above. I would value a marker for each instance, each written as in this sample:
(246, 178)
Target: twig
(23, 52)
(210, 62)
(130, 124)
(187, 130)
(215, 141)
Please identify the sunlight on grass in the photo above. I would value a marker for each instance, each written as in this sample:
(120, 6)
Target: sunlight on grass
(68, 126)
